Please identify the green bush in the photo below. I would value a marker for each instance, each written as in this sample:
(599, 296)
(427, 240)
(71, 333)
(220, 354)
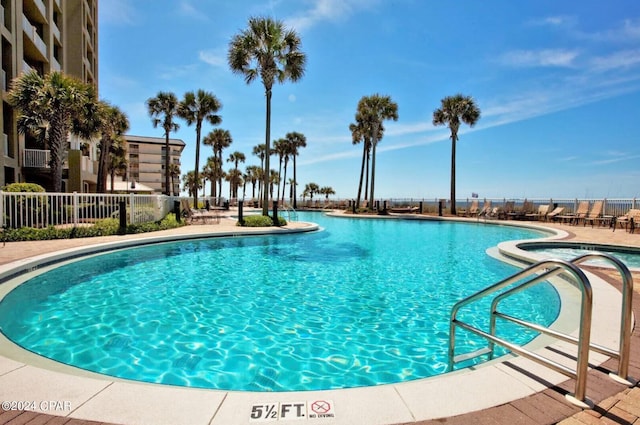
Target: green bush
(106, 227)
(23, 187)
(260, 221)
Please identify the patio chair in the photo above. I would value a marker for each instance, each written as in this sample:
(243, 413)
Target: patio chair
(553, 214)
(519, 214)
(192, 215)
(473, 210)
(486, 209)
(629, 220)
(540, 214)
(595, 213)
(574, 218)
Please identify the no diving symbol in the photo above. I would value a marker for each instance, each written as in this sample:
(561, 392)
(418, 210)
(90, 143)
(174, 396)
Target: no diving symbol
(320, 406)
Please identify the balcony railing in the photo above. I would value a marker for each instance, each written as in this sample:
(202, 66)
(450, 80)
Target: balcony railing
(55, 65)
(25, 67)
(5, 144)
(36, 158)
(33, 35)
(41, 7)
(56, 31)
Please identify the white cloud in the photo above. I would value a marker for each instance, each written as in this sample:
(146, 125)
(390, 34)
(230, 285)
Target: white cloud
(540, 58)
(118, 12)
(185, 8)
(554, 21)
(616, 60)
(327, 10)
(215, 57)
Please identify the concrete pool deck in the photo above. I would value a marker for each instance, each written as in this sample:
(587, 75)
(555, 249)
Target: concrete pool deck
(500, 392)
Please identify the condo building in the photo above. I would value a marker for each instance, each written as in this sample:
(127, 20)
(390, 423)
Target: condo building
(146, 157)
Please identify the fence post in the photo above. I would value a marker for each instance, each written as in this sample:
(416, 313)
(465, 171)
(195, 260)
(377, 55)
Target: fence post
(3, 221)
(131, 208)
(75, 209)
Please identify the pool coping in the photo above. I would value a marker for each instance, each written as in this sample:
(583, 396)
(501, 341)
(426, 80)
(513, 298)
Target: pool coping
(107, 399)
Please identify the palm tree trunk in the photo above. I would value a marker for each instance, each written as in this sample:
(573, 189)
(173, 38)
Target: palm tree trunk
(453, 173)
(284, 185)
(58, 136)
(103, 165)
(267, 144)
(195, 172)
(364, 158)
(366, 175)
(373, 172)
(295, 183)
(167, 161)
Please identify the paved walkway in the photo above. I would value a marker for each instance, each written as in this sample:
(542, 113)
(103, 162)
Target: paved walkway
(615, 403)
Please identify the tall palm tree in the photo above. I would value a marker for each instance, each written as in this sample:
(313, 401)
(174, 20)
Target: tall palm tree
(195, 108)
(453, 111)
(372, 111)
(163, 109)
(58, 105)
(118, 164)
(252, 176)
(219, 139)
(359, 134)
(190, 184)
(266, 49)
(174, 171)
(280, 149)
(113, 124)
(236, 158)
(296, 141)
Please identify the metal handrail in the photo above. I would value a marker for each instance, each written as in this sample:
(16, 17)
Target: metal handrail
(551, 268)
(622, 355)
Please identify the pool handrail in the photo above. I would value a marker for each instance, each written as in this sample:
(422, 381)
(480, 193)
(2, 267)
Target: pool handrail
(550, 268)
(623, 352)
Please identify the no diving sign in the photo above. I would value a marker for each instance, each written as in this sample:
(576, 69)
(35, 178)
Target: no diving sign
(292, 411)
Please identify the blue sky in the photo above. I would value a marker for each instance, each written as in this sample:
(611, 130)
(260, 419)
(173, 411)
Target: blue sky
(557, 82)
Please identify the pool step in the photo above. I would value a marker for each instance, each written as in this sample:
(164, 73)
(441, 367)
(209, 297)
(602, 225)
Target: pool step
(472, 355)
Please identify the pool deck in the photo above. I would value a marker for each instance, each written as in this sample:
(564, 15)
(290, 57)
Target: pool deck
(498, 393)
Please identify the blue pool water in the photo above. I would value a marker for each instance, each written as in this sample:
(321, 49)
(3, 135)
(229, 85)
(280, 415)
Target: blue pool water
(568, 251)
(363, 302)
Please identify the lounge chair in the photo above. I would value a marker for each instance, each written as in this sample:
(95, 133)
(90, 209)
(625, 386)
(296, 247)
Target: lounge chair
(541, 214)
(630, 220)
(486, 209)
(192, 215)
(595, 213)
(574, 218)
(519, 214)
(555, 213)
(473, 209)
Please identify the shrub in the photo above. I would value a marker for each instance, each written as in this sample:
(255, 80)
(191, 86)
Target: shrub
(106, 227)
(23, 187)
(260, 221)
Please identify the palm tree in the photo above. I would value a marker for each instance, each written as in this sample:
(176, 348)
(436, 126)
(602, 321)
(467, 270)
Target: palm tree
(236, 158)
(296, 141)
(165, 106)
(53, 106)
(311, 189)
(326, 191)
(195, 108)
(266, 49)
(372, 111)
(234, 177)
(359, 134)
(453, 111)
(280, 149)
(218, 139)
(174, 171)
(113, 123)
(190, 184)
(118, 164)
(252, 176)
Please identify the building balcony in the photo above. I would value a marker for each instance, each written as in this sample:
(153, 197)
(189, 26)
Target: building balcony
(55, 65)
(5, 144)
(26, 68)
(56, 31)
(36, 158)
(33, 35)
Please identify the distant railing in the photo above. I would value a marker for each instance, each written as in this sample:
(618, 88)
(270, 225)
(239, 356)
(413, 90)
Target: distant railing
(39, 210)
(36, 158)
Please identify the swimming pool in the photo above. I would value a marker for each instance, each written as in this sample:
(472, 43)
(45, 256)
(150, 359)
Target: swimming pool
(630, 256)
(364, 302)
